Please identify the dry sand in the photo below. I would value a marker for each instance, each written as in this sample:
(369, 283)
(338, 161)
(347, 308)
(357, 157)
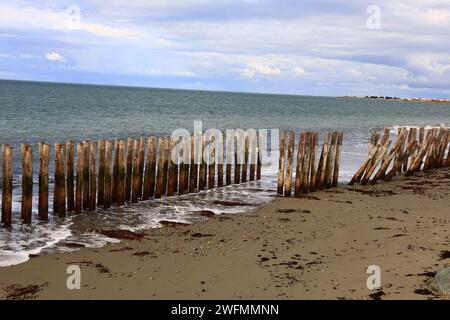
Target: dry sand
(314, 247)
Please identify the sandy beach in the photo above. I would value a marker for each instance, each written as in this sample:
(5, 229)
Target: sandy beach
(314, 247)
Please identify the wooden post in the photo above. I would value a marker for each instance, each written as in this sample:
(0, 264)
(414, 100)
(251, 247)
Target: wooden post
(56, 187)
(129, 168)
(299, 166)
(150, 168)
(44, 161)
(159, 179)
(238, 157)
(70, 186)
(212, 162)
(181, 152)
(141, 159)
(7, 185)
(27, 183)
(337, 162)
(165, 165)
(252, 156)
(194, 168)
(93, 176)
(288, 177)
(122, 175)
(172, 168)
(229, 139)
(202, 165)
(245, 163)
(186, 142)
(101, 173)
(60, 177)
(135, 180)
(331, 160)
(79, 185)
(261, 145)
(86, 177)
(378, 156)
(115, 174)
(219, 146)
(282, 147)
(306, 162)
(314, 150)
(108, 187)
(322, 174)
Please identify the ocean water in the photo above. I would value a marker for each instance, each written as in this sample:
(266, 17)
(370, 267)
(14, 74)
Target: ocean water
(31, 112)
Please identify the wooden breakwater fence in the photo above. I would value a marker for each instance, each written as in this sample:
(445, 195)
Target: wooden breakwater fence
(311, 173)
(414, 149)
(90, 175)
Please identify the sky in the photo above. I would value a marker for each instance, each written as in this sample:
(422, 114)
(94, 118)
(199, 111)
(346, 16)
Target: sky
(309, 47)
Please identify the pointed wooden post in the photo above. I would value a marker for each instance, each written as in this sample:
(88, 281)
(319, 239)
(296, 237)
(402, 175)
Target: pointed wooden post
(288, 176)
(331, 160)
(108, 186)
(238, 157)
(141, 165)
(314, 150)
(281, 164)
(44, 162)
(93, 176)
(306, 162)
(299, 166)
(202, 164)
(60, 181)
(166, 165)
(253, 158)
(172, 170)
(337, 163)
(70, 185)
(260, 147)
(7, 185)
(324, 160)
(79, 178)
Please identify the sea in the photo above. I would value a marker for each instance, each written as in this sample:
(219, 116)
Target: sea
(31, 112)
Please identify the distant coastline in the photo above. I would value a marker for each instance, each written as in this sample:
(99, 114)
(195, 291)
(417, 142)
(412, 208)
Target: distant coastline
(428, 100)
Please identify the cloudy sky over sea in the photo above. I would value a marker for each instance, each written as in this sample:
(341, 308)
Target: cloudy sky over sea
(316, 47)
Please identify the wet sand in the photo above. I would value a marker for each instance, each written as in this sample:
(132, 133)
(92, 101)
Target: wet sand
(314, 247)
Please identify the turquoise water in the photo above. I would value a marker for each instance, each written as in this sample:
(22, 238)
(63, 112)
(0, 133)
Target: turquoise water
(32, 112)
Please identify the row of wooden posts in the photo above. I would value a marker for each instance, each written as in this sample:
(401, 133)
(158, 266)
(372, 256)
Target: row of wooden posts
(106, 173)
(414, 150)
(311, 173)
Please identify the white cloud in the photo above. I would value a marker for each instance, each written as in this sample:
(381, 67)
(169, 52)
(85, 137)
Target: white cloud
(54, 56)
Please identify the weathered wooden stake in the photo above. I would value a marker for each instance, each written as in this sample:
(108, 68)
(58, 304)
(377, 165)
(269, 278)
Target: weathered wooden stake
(79, 178)
(101, 173)
(150, 169)
(129, 169)
(212, 162)
(261, 146)
(202, 165)
(237, 157)
(27, 183)
(219, 146)
(44, 162)
(159, 179)
(324, 160)
(121, 175)
(108, 186)
(331, 160)
(61, 200)
(314, 150)
(299, 166)
(86, 177)
(253, 157)
(288, 177)
(172, 168)
(115, 173)
(306, 162)
(282, 147)
(135, 183)
(7, 185)
(194, 167)
(337, 162)
(70, 185)
(93, 176)
(245, 163)
(141, 165)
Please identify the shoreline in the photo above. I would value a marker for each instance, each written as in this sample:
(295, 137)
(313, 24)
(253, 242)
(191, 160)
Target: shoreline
(317, 246)
(422, 100)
